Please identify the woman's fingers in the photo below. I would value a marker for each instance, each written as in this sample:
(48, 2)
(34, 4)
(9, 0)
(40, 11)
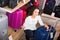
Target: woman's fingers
(46, 26)
(22, 27)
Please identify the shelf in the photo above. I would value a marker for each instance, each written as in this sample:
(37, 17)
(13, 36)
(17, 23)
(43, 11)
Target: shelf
(6, 8)
(46, 15)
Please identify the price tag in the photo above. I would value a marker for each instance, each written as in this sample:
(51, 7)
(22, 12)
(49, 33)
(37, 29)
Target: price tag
(51, 35)
(53, 14)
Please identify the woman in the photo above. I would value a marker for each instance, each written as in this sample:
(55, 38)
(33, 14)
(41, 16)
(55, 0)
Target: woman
(29, 26)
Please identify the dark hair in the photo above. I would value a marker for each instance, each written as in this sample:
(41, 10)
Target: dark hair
(34, 8)
(31, 9)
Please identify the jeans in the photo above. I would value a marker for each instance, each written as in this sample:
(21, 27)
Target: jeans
(29, 34)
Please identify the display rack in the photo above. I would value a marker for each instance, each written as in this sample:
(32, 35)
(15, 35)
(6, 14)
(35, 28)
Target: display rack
(7, 9)
(46, 15)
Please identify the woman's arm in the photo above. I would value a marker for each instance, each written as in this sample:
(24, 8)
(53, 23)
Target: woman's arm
(25, 23)
(43, 24)
(40, 21)
(22, 27)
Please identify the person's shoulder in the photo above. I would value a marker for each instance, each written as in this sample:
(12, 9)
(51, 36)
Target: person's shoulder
(28, 17)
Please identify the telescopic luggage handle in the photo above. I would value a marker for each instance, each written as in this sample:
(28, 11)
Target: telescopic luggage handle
(49, 33)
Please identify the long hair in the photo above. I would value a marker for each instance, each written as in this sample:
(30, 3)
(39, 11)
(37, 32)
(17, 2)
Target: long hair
(31, 9)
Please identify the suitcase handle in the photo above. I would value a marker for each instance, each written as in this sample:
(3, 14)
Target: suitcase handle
(49, 33)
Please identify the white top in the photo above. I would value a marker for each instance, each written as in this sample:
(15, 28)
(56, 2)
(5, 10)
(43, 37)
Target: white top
(31, 23)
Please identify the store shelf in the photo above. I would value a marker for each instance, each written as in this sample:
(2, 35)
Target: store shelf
(46, 15)
(6, 8)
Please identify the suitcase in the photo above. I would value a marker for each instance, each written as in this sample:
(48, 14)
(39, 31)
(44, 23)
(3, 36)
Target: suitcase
(57, 11)
(24, 7)
(24, 16)
(15, 19)
(12, 3)
(49, 6)
(3, 3)
(42, 34)
(36, 4)
(30, 4)
(34, 1)
(54, 1)
(10, 17)
(47, 9)
(3, 27)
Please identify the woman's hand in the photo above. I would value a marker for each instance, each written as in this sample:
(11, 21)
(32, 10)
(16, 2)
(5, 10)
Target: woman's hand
(22, 27)
(46, 26)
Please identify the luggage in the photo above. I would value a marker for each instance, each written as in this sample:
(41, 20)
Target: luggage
(57, 11)
(15, 19)
(47, 1)
(12, 3)
(10, 18)
(49, 6)
(30, 4)
(24, 7)
(42, 34)
(3, 3)
(36, 3)
(24, 16)
(3, 27)
(47, 9)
